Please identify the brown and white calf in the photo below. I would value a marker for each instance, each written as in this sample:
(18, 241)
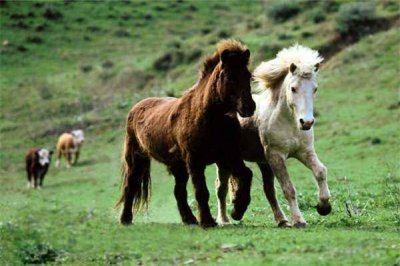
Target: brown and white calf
(69, 145)
(37, 163)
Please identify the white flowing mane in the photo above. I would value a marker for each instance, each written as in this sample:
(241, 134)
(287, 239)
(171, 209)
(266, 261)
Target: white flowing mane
(269, 74)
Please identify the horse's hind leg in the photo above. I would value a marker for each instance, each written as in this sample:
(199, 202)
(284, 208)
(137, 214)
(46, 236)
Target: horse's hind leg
(132, 185)
(241, 187)
(269, 190)
(221, 189)
(181, 178)
(277, 162)
(136, 174)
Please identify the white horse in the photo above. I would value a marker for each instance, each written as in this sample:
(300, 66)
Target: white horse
(282, 127)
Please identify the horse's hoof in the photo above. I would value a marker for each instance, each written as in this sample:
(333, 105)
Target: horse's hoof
(300, 225)
(284, 224)
(236, 215)
(126, 219)
(223, 221)
(324, 208)
(208, 224)
(190, 221)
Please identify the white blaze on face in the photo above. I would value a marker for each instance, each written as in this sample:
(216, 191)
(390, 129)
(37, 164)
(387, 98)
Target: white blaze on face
(78, 136)
(300, 96)
(44, 156)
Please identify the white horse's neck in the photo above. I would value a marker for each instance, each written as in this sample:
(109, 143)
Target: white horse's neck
(274, 107)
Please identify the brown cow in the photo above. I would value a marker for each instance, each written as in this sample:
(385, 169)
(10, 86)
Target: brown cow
(69, 144)
(37, 163)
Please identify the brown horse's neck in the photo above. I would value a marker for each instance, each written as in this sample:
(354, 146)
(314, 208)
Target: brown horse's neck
(209, 103)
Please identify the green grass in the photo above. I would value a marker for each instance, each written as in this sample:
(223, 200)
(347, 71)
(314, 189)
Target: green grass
(72, 220)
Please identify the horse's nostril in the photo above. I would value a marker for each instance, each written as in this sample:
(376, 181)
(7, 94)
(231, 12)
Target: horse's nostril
(312, 122)
(301, 121)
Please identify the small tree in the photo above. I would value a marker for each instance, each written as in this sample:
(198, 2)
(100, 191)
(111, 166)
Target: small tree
(355, 19)
(283, 11)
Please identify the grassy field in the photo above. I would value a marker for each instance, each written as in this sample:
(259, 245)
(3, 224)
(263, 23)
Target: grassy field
(87, 66)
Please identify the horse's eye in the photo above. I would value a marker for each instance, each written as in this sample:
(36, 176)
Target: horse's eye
(294, 90)
(315, 90)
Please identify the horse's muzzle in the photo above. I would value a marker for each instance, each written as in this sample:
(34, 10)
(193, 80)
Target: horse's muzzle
(247, 110)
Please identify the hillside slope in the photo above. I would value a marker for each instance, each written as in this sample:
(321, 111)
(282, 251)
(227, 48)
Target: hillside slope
(82, 64)
(90, 81)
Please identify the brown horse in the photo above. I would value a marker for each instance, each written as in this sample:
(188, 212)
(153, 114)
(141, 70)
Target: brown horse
(190, 132)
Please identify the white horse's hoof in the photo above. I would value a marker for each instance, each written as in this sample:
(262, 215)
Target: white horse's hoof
(300, 225)
(284, 224)
(223, 221)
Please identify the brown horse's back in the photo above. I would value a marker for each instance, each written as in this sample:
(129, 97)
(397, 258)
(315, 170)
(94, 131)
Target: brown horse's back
(149, 121)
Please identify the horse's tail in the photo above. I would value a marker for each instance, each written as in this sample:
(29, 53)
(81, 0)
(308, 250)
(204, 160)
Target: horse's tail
(136, 184)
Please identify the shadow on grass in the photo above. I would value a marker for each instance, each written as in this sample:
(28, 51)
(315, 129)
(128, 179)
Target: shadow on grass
(69, 182)
(86, 162)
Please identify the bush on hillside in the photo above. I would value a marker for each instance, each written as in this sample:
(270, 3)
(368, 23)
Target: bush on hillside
(39, 253)
(168, 61)
(51, 13)
(317, 16)
(330, 6)
(355, 19)
(283, 11)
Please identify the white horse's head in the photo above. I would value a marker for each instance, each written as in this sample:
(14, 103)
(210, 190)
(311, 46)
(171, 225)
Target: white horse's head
(78, 136)
(300, 87)
(293, 71)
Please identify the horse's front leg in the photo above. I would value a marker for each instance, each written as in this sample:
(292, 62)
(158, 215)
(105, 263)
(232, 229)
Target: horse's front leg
(202, 196)
(277, 162)
(221, 189)
(319, 170)
(181, 177)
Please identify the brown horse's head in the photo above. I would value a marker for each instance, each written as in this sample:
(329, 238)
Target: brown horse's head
(233, 85)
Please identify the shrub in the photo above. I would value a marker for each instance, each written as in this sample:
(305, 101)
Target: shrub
(107, 64)
(223, 34)
(52, 13)
(34, 39)
(122, 33)
(283, 11)
(355, 18)
(330, 6)
(86, 68)
(168, 60)
(317, 16)
(193, 54)
(39, 253)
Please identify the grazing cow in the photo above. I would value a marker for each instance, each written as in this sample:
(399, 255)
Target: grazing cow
(69, 144)
(37, 163)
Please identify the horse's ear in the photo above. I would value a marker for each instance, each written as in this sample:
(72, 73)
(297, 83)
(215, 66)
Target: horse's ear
(225, 56)
(292, 68)
(316, 67)
(246, 55)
